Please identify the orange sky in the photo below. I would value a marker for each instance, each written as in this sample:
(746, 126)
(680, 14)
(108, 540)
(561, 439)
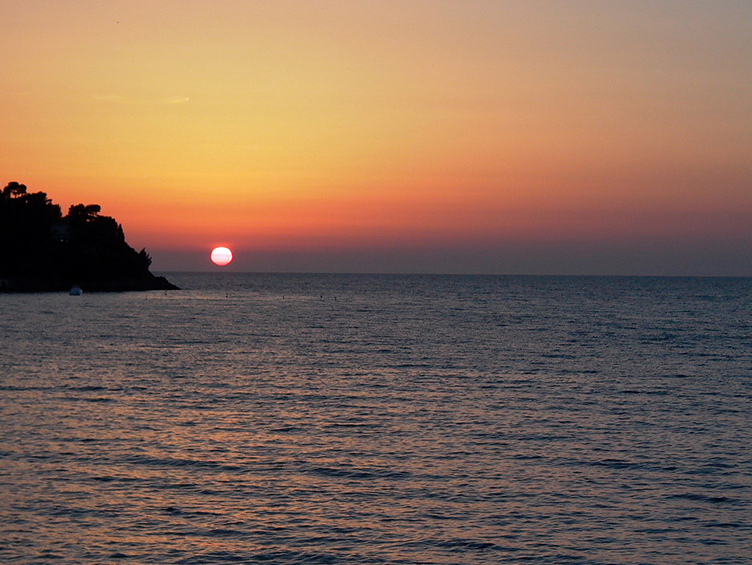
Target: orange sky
(487, 136)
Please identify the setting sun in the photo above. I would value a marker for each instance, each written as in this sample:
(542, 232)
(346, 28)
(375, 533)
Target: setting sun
(221, 256)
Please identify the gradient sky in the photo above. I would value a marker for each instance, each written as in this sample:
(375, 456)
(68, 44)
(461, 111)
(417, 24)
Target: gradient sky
(472, 136)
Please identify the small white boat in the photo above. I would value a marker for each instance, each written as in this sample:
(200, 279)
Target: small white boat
(76, 290)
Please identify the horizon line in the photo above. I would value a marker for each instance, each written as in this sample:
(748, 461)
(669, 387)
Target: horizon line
(427, 274)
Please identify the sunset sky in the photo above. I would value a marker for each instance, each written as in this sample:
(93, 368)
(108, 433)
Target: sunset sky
(472, 136)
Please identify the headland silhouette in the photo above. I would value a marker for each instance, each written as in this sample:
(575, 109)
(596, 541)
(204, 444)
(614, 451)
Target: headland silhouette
(43, 251)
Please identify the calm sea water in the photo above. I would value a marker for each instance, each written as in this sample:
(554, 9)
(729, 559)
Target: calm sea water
(379, 420)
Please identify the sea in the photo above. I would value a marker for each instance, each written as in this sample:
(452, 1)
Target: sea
(379, 419)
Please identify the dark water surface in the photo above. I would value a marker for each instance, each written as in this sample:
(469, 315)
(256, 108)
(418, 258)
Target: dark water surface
(379, 419)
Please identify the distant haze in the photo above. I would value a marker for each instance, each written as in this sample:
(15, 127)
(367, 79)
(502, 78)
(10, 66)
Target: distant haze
(474, 136)
(703, 259)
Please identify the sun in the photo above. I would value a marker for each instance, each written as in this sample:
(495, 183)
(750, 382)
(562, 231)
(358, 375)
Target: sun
(221, 256)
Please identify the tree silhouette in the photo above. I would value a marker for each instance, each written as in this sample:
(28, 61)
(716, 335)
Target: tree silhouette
(14, 189)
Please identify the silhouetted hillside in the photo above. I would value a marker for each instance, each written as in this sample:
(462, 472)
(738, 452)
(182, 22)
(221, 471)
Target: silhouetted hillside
(42, 250)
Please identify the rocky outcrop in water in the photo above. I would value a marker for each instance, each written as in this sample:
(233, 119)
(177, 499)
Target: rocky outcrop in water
(41, 250)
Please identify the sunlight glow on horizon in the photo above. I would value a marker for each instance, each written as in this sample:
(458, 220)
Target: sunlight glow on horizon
(292, 126)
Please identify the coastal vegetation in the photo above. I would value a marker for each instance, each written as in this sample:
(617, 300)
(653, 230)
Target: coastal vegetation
(43, 250)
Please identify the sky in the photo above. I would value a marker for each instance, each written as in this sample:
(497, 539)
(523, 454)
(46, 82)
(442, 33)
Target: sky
(589, 137)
